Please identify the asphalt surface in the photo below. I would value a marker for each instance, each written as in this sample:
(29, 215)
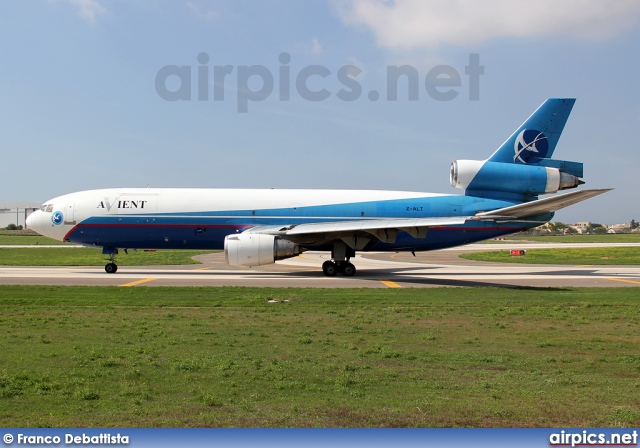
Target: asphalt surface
(375, 270)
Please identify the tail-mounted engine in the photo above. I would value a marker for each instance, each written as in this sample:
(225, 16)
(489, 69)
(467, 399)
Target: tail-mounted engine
(257, 249)
(547, 176)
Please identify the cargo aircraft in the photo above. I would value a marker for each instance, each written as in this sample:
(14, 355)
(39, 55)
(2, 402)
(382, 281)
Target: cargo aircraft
(259, 227)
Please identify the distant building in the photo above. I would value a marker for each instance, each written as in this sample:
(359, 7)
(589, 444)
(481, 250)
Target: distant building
(619, 228)
(581, 227)
(16, 212)
(546, 227)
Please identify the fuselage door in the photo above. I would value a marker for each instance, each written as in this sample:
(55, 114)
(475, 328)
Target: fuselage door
(69, 213)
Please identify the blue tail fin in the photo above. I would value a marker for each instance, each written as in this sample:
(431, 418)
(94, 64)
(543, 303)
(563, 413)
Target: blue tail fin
(538, 136)
(522, 168)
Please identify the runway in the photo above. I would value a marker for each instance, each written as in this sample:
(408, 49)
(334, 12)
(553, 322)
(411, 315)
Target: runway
(375, 270)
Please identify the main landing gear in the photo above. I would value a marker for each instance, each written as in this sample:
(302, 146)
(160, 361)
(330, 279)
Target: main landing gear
(331, 268)
(340, 256)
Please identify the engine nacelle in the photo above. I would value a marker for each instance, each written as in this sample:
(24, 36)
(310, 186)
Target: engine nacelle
(257, 249)
(510, 177)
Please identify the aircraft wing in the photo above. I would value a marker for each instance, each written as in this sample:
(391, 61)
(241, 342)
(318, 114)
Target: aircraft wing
(385, 230)
(373, 225)
(541, 206)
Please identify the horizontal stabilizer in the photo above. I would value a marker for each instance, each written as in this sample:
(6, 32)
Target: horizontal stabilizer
(541, 206)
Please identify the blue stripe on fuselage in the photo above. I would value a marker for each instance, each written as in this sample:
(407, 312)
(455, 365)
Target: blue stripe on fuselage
(206, 230)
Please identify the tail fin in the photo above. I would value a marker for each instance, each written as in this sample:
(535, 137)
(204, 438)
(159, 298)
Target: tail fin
(522, 168)
(538, 136)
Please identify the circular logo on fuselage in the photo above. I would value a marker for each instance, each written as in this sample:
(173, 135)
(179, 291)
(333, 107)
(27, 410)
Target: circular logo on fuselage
(529, 144)
(57, 218)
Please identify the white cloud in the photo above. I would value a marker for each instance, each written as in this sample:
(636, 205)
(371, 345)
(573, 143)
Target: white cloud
(313, 48)
(88, 9)
(316, 48)
(411, 24)
(203, 13)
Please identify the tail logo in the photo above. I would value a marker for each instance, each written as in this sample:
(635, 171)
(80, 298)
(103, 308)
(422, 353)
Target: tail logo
(530, 143)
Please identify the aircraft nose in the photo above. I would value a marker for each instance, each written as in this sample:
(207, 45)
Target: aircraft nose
(29, 221)
(34, 222)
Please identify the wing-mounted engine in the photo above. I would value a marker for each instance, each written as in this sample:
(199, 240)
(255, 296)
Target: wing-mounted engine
(257, 249)
(545, 176)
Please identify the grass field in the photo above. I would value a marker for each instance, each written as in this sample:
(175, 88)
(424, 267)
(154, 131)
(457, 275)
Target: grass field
(173, 357)
(87, 256)
(582, 256)
(24, 237)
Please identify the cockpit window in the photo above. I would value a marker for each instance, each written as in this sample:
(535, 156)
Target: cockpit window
(49, 208)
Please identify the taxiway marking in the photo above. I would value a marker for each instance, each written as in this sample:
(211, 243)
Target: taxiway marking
(138, 282)
(622, 280)
(390, 284)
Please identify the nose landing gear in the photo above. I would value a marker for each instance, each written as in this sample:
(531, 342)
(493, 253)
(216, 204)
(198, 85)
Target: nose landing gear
(111, 267)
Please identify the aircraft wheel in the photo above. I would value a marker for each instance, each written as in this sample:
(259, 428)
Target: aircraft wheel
(329, 268)
(111, 268)
(349, 270)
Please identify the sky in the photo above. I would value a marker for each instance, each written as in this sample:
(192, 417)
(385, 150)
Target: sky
(292, 94)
